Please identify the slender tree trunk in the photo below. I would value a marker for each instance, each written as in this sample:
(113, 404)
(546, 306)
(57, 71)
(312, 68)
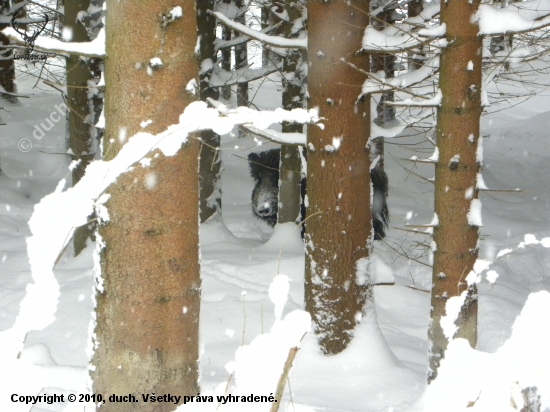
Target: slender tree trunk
(456, 236)
(338, 172)
(241, 59)
(500, 43)
(415, 7)
(146, 335)
(7, 64)
(383, 62)
(265, 19)
(226, 57)
(79, 116)
(210, 162)
(293, 97)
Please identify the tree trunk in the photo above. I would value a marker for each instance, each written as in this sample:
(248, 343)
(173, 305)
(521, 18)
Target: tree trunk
(383, 62)
(241, 58)
(415, 7)
(338, 172)
(146, 334)
(290, 177)
(79, 116)
(456, 237)
(265, 20)
(210, 162)
(7, 64)
(226, 57)
(500, 43)
(290, 198)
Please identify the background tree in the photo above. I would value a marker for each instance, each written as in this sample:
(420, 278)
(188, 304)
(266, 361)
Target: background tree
(147, 313)
(458, 121)
(210, 199)
(8, 88)
(382, 62)
(241, 56)
(293, 77)
(226, 52)
(338, 172)
(81, 115)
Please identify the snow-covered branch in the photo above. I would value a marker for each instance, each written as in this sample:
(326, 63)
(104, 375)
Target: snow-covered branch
(394, 40)
(401, 83)
(256, 35)
(298, 139)
(221, 77)
(95, 48)
(520, 17)
(426, 101)
(222, 44)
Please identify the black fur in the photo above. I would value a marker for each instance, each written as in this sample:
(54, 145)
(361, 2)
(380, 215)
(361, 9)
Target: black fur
(264, 169)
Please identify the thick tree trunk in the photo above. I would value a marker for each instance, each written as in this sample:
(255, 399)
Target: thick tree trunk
(338, 172)
(146, 335)
(456, 237)
(210, 162)
(293, 97)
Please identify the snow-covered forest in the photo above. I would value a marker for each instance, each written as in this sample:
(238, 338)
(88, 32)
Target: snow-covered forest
(262, 205)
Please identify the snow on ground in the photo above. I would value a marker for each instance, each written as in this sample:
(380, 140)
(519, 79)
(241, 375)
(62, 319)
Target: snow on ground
(384, 367)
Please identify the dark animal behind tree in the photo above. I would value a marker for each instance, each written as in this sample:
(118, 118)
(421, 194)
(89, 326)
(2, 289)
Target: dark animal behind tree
(264, 169)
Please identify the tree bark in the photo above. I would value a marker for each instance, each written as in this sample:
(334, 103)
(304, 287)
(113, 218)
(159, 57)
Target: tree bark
(210, 162)
(338, 172)
(290, 198)
(7, 64)
(383, 62)
(241, 58)
(226, 57)
(458, 121)
(415, 7)
(80, 115)
(146, 335)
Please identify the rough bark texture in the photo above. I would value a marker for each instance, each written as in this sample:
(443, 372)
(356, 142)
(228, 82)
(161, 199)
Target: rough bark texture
(79, 116)
(290, 176)
(7, 64)
(293, 97)
(455, 177)
(147, 315)
(338, 180)
(210, 163)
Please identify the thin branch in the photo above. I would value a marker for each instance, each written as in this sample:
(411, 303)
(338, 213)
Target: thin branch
(256, 35)
(383, 83)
